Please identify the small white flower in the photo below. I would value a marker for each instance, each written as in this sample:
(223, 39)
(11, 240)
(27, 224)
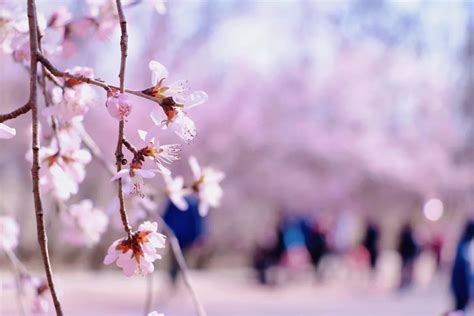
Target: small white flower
(160, 154)
(135, 255)
(174, 101)
(206, 185)
(176, 191)
(134, 176)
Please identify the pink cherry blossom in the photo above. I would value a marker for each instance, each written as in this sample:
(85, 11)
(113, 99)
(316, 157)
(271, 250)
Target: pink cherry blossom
(6, 132)
(136, 254)
(118, 105)
(14, 24)
(9, 232)
(62, 170)
(160, 154)
(174, 101)
(176, 90)
(72, 103)
(134, 175)
(207, 185)
(83, 224)
(176, 191)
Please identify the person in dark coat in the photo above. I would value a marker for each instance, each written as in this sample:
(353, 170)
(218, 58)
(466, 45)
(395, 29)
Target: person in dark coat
(188, 226)
(315, 240)
(461, 277)
(408, 249)
(371, 243)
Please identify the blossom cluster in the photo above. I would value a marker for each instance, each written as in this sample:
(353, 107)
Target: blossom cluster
(63, 156)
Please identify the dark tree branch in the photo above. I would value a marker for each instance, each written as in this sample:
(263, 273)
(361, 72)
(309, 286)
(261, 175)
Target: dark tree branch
(129, 146)
(118, 150)
(42, 238)
(14, 114)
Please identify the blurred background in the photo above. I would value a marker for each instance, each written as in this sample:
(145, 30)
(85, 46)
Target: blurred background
(345, 130)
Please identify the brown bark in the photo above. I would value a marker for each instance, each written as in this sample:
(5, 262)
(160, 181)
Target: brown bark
(40, 226)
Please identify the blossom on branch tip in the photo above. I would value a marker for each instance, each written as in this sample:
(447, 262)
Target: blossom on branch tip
(6, 132)
(9, 232)
(83, 224)
(207, 185)
(134, 175)
(118, 105)
(136, 254)
(173, 99)
(160, 154)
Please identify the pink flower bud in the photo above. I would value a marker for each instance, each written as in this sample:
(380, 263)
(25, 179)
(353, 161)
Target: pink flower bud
(118, 105)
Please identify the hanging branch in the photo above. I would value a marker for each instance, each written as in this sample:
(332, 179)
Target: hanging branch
(42, 238)
(14, 114)
(175, 247)
(118, 151)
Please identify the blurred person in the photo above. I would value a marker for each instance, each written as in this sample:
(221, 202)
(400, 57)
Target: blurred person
(371, 243)
(408, 249)
(461, 277)
(315, 239)
(265, 256)
(292, 235)
(189, 228)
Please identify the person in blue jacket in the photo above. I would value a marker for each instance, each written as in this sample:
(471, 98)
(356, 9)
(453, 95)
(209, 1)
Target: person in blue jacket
(461, 277)
(188, 226)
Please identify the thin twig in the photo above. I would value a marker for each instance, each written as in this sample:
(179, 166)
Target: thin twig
(118, 150)
(14, 114)
(42, 238)
(96, 82)
(129, 146)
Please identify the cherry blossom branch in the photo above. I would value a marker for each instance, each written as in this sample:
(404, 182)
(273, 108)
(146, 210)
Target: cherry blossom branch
(118, 151)
(175, 247)
(14, 114)
(129, 146)
(42, 238)
(96, 82)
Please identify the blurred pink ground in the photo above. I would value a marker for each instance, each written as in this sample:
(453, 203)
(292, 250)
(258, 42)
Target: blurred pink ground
(231, 293)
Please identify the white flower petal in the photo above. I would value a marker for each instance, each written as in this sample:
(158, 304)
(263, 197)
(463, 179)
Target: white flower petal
(6, 132)
(122, 173)
(158, 72)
